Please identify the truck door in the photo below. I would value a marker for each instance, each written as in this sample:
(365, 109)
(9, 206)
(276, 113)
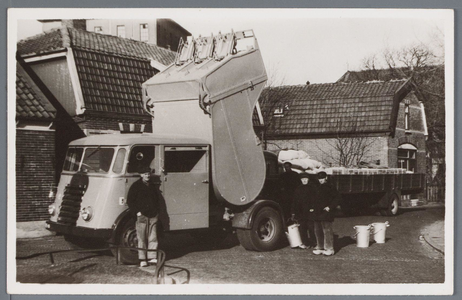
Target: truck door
(186, 186)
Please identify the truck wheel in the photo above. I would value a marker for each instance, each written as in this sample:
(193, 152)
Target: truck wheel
(393, 206)
(266, 233)
(127, 237)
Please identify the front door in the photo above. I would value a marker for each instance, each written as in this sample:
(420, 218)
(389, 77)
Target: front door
(185, 180)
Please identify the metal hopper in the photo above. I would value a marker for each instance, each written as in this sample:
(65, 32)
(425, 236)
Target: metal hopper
(210, 92)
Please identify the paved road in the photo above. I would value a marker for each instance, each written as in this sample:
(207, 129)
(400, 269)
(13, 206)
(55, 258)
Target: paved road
(404, 258)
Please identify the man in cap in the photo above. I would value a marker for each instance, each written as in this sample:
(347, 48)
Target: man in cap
(327, 199)
(304, 201)
(143, 201)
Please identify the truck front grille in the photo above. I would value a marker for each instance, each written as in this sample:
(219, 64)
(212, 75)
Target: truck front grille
(70, 207)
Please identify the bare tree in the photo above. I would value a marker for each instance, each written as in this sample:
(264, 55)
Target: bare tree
(424, 65)
(347, 150)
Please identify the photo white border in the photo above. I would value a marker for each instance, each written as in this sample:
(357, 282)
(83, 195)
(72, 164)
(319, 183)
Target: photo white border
(445, 288)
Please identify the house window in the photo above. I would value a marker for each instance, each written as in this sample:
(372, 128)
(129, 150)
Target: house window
(98, 29)
(407, 157)
(406, 115)
(144, 32)
(121, 31)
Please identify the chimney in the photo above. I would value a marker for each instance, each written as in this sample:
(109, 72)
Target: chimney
(68, 23)
(77, 24)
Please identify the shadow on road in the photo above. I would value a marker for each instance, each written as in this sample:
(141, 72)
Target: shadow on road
(176, 245)
(340, 242)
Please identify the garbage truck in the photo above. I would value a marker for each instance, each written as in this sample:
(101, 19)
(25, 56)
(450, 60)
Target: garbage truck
(207, 162)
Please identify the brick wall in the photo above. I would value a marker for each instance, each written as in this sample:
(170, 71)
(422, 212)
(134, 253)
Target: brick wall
(35, 173)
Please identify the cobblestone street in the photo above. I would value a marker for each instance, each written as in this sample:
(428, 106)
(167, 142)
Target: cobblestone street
(405, 258)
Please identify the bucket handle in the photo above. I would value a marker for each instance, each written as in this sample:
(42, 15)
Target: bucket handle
(354, 227)
(373, 228)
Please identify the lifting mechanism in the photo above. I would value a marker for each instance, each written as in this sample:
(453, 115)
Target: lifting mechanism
(210, 92)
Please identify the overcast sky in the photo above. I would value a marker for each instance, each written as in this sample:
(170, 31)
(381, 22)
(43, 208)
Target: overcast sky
(298, 45)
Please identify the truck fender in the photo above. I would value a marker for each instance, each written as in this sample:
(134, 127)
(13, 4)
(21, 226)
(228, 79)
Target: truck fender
(118, 223)
(245, 219)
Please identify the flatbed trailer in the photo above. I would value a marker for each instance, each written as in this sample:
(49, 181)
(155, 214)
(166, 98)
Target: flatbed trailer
(380, 190)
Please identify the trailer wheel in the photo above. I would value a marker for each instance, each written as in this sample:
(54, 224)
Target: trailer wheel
(393, 206)
(127, 237)
(266, 233)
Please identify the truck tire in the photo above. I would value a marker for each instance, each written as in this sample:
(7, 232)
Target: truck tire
(127, 237)
(393, 206)
(266, 233)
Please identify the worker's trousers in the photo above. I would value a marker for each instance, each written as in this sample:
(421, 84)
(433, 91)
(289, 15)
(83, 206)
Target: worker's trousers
(324, 235)
(146, 232)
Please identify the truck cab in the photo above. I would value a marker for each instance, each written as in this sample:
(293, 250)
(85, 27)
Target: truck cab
(98, 171)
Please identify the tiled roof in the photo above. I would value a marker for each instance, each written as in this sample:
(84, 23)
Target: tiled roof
(31, 104)
(326, 109)
(79, 39)
(43, 43)
(110, 83)
(111, 70)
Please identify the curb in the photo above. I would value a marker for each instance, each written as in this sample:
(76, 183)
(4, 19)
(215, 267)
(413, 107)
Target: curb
(434, 236)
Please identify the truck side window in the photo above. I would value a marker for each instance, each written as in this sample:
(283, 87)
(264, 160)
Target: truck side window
(140, 156)
(185, 161)
(73, 158)
(119, 161)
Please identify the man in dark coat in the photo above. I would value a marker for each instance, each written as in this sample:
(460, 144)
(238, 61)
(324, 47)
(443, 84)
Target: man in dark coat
(303, 202)
(143, 201)
(290, 181)
(327, 199)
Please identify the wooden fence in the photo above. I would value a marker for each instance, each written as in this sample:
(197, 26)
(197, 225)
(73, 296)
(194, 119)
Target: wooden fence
(436, 193)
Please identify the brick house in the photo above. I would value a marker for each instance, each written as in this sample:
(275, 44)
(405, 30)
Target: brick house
(35, 170)
(95, 81)
(384, 120)
(428, 88)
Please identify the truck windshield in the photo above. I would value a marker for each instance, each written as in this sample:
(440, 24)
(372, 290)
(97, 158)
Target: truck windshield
(90, 160)
(97, 160)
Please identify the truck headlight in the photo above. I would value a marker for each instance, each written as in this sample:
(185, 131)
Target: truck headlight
(51, 209)
(86, 213)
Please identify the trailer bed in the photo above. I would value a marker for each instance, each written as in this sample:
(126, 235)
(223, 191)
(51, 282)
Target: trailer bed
(378, 183)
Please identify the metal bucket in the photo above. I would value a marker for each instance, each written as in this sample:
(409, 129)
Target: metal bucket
(379, 231)
(293, 235)
(362, 235)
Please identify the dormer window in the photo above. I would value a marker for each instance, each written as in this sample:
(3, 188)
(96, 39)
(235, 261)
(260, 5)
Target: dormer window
(279, 112)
